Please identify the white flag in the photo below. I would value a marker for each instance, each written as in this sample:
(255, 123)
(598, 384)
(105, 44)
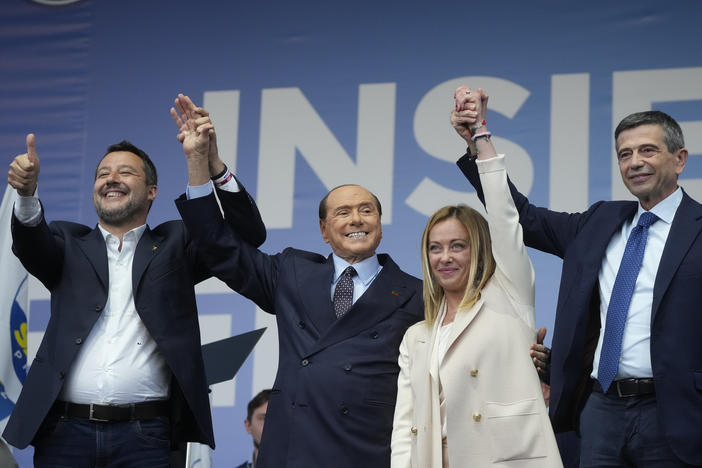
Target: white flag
(14, 306)
(199, 455)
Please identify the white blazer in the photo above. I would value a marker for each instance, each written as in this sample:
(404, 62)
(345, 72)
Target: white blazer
(495, 412)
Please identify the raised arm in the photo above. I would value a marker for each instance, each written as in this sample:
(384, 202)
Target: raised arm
(503, 219)
(196, 132)
(39, 250)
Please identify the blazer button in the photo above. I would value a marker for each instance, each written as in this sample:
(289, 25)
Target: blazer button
(305, 362)
(62, 375)
(413, 430)
(98, 308)
(347, 367)
(344, 410)
(474, 372)
(375, 334)
(79, 340)
(301, 324)
(477, 417)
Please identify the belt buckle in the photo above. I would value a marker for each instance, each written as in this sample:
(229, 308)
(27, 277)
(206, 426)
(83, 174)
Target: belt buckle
(619, 388)
(91, 416)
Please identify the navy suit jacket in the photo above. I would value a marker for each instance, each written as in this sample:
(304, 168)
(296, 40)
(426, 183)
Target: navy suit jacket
(334, 395)
(70, 259)
(581, 239)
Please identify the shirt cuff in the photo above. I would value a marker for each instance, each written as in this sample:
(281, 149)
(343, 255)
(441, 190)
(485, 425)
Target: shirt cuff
(227, 182)
(198, 191)
(28, 210)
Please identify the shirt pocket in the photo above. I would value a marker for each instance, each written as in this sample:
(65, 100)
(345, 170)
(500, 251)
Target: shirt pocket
(516, 430)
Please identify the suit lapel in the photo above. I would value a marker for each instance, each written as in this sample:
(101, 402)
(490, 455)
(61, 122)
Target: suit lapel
(462, 320)
(146, 250)
(385, 295)
(685, 228)
(93, 246)
(314, 285)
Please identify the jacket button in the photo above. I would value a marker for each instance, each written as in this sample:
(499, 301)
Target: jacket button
(474, 372)
(62, 375)
(79, 340)
(413, 431)
(344, 410)
(98, 308)
(301, 324)
(375, 334)
(305, 362)
(347, 367)
(477, 417)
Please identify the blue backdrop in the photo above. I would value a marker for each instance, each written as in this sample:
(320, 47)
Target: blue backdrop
(309, 95)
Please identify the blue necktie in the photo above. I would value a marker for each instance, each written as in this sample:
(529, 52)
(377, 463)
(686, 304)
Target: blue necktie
(343, 293)
(621, 299)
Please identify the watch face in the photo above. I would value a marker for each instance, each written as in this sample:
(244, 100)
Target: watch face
(55, 2)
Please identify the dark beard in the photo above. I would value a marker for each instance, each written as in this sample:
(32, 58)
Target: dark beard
(119, 216)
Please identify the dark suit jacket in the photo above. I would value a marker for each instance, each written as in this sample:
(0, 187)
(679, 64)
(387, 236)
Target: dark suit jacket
(71, 261)
(334, 394)
(581, 239)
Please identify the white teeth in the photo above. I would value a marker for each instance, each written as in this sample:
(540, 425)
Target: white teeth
(113, 194)
(356, 234)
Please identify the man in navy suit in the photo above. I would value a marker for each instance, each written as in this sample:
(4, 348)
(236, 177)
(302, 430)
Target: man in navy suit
(339, 330)
(651, 414)
(118, 378)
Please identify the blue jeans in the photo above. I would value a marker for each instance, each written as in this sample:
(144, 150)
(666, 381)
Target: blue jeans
(623, 432)
(80, 443)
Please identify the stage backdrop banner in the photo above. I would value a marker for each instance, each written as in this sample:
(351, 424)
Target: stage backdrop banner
(309, 95)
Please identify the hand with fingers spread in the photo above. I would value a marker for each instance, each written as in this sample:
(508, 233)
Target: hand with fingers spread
(24, 170)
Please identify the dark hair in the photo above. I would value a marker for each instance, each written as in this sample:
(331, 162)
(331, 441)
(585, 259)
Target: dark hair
(149, 168)
(256, 402)
(672, 133)
(323, 203)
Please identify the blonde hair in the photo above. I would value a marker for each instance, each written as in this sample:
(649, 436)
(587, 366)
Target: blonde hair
(482, 263)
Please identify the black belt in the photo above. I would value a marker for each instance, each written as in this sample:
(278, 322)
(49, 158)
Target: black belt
(627, 387)
(107, 413)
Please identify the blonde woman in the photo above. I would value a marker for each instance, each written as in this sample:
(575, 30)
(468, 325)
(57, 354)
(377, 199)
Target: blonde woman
(468, 393)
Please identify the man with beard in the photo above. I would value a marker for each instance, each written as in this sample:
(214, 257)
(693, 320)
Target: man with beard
(118, 378)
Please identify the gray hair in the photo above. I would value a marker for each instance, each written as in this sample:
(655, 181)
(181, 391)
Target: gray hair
(672, 133)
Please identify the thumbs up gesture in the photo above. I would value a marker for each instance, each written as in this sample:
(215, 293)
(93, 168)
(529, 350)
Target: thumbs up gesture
(24, 170)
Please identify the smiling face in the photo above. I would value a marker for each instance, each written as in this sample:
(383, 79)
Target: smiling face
(121, 195)
(352, 223)
(648, 169)
(448, 253)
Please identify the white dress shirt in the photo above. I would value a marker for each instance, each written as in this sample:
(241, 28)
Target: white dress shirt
(635, 358)
(119, 361)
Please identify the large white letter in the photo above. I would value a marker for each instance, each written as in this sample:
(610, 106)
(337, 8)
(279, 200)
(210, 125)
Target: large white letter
(289, 123)
(634, 91)
(570, 123)
(434, 134)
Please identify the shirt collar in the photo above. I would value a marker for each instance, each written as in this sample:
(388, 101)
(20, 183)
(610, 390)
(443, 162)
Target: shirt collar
(366, 269)
(665, 210)
(135, 233)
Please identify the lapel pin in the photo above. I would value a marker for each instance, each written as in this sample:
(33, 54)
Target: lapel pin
(394, 293)
(154, 248)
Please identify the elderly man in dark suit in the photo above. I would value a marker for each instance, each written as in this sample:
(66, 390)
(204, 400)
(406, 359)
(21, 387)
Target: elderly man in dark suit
(626, 364)
(340, 322)
(118, 378)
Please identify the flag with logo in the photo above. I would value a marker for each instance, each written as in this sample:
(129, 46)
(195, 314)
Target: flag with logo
(14, 304)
